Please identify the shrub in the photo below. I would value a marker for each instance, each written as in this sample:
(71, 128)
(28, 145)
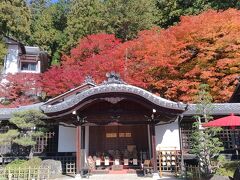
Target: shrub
(34, 162)
(228, 168)
(19, 163)
(15, 164)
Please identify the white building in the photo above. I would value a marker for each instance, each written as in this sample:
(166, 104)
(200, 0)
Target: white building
(26, 59)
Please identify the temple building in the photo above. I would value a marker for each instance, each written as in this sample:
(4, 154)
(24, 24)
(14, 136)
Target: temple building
(122, 123)
(23, 59)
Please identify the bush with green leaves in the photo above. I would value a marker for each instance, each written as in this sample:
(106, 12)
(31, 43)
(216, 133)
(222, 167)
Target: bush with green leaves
(20, 168)
(20, 163)
(227, 168)
(2, 178)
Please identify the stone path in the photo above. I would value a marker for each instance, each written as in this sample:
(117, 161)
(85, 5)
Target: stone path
(118, 177)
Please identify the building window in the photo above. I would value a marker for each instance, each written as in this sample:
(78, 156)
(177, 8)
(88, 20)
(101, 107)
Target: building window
(28, 66)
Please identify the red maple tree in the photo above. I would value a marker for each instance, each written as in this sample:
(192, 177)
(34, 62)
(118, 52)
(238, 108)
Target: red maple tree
(92, 56)
(20, 89)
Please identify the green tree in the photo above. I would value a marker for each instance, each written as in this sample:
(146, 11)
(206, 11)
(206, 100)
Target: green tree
(29, 125)
(44, 34)
(14, 21)
(37, 7)
(125, 18)
(48, 25)
(169, 11)
(205, 143)
(3, 51)
(6, 138)
(84, 17)
(224, 4)
(204, 103)
(15, 18)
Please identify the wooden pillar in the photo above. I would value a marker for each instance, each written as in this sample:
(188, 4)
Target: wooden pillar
(149, 141)
(82, 150)
(154, 153)
(78, 149)
(86, 142)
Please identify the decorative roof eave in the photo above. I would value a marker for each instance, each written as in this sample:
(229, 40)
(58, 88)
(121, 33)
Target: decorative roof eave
(112, 88)
(6, 113)
(216, 109)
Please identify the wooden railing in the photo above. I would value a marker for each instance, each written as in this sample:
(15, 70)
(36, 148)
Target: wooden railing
(26, 173)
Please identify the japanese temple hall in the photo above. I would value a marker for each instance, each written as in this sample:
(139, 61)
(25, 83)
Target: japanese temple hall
(122, 123)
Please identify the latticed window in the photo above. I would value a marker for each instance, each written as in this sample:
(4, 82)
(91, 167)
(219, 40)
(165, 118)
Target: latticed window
(229, 137)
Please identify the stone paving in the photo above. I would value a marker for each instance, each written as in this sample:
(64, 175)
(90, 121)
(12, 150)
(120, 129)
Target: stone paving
(118, 177)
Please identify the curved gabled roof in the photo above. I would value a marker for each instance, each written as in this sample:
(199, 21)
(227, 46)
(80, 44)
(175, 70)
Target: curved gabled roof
(113, 85)
(112, 88)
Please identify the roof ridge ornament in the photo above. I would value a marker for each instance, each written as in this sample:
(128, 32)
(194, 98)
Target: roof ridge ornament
(113, 78)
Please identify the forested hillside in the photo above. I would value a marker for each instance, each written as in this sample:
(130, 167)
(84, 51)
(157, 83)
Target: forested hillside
(57, 27)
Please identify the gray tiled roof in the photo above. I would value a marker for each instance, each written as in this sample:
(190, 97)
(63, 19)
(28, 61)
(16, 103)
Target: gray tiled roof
(6, 113)
(216, 109)
(112, 88)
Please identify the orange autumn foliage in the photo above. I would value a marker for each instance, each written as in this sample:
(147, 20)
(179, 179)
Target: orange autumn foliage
(171, 62)
(175, 61)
